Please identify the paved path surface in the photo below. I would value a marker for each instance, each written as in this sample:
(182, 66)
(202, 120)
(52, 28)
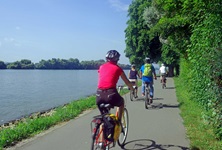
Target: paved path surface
(157, 128)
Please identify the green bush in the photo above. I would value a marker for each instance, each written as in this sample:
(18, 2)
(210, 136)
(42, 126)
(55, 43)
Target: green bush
(205, 68)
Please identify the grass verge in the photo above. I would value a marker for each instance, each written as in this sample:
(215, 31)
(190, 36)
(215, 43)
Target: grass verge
(199, 131)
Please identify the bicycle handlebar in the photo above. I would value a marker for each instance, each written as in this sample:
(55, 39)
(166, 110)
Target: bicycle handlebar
(120, 87)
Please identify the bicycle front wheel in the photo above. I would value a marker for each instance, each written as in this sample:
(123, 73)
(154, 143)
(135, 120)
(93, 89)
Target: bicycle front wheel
(125, 127)
(132, 95)
(147, 98)
(163, 85)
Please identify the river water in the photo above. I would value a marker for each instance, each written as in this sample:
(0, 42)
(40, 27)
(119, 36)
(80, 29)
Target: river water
(23, 92)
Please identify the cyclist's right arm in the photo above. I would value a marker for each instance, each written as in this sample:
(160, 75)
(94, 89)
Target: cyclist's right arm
(127, 82)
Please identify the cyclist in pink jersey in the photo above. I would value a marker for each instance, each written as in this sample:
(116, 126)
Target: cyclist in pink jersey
(109, 74)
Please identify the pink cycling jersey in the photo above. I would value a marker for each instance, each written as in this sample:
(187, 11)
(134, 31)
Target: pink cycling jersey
(109, 75)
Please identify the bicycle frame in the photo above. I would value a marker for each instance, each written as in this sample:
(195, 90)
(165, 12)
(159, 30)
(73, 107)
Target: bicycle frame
(97, 128)
(147, 94)
(163, 80)
(133, 93)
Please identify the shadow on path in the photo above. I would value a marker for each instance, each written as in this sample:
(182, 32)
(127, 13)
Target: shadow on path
(146, 144)
(157, 105)
(141, 99)
(169, 87)
(162, 106)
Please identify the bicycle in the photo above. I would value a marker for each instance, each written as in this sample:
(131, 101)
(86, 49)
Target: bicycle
(147, 95)
(133, 94)
(163, 81)
(99, 142)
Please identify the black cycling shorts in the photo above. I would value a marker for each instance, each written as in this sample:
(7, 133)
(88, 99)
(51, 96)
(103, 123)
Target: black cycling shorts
(109, 96)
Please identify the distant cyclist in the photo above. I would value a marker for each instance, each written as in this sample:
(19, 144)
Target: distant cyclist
(132, 75)
(163, 72)
(109, 74)
(147, 72)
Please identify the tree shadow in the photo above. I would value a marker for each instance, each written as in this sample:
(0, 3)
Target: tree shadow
(146, 144)
(157, 105)
(171, 105)
(158, 98)
(169, 87)
(141, 99)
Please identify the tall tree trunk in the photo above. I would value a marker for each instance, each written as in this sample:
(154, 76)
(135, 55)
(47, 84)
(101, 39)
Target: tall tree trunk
(171, 71)
(177, 70)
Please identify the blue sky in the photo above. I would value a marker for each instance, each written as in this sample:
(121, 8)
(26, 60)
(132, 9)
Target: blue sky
(46, 29)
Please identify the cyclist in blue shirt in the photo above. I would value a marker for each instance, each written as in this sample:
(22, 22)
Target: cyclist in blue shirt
(147, 72)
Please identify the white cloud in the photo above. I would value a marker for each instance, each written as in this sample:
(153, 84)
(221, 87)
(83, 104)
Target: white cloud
(118, 5)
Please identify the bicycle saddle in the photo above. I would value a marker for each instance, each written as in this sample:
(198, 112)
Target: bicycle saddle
(103, 105)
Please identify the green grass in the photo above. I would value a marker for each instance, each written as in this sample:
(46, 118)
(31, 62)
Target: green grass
(199, 131)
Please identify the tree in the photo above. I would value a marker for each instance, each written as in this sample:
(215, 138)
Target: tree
(23, 64)
(192, 33)
(139, 42)
(14, 65)
(166, 20)
(2, 65)
(136, 33)
(43, 64)
(27, 64)
(73, 63)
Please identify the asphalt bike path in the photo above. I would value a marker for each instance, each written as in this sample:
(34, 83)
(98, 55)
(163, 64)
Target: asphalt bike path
(160, 127)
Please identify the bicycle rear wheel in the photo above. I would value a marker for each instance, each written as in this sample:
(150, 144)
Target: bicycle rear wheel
(147, 97)
(163, 82)
(163, 85)
(125, 127)
(96, 145)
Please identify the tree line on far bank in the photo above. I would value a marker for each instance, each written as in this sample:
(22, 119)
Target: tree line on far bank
(56, 63)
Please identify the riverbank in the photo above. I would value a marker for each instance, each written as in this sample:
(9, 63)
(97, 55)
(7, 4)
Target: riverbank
(34, 115)
(28, 127)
